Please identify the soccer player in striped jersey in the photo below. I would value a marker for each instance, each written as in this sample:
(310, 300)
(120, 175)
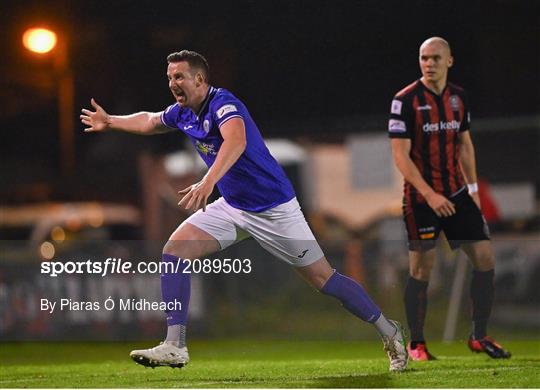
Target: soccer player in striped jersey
(257, 200)
(432, 148)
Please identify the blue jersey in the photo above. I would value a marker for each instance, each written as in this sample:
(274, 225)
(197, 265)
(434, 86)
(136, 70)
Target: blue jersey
(256, 182)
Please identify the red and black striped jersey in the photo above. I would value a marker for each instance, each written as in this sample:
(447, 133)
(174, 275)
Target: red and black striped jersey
(432, 123)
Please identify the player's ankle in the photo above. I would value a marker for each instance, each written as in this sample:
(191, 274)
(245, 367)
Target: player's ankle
(384, 327)
(414, 344)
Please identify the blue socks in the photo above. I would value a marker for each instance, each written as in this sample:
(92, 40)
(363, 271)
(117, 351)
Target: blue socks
(352, 296)
(175, 286)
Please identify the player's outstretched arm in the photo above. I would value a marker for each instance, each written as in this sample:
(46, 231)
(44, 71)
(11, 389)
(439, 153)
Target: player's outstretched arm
(401, 148)
(234, 143)
(144, 123)
(467, 162)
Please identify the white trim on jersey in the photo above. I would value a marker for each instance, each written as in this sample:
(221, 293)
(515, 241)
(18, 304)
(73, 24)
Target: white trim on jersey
(206, 100)
(163, 122)
(230, 117)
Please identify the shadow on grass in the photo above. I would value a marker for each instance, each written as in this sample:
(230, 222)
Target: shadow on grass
(352, 381)
(349, 381)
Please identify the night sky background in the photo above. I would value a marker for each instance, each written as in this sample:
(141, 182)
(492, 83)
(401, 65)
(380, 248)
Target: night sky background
(301, 67)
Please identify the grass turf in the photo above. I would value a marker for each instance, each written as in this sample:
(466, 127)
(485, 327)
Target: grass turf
(255, 364)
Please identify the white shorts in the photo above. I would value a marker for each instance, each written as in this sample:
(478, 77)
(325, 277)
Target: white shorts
(282, 230)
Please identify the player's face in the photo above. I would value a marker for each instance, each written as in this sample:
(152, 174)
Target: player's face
(435, 59)
(183, 83)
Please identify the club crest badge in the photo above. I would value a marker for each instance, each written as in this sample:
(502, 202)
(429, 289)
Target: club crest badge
(454, 102)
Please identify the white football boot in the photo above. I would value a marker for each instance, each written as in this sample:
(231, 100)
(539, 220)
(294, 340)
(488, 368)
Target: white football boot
(165, 354)
(396, 349)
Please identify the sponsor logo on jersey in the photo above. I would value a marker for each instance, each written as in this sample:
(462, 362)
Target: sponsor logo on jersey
(427, 233)
(207, 149)
(206, 125)
(427, 229)
(225, 110)
(424, 108)
(396, 107)
(454, 102)
(396, 126)
(434, 127)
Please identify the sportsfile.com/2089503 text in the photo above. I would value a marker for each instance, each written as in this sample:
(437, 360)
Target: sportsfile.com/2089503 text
(114, 265)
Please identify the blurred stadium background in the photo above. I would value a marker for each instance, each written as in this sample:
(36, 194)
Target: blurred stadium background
(318, 77)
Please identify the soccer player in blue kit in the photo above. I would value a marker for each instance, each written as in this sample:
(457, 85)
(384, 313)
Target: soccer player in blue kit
(257, 200)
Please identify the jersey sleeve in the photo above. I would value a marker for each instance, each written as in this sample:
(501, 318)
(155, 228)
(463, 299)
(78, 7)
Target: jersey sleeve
(466, 122)
(399, 123)
(169, 117)
(225, 109)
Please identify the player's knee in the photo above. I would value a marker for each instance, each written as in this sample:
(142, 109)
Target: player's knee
(186, 249)
(421, 272)
(317, 274)
(484, 261)
(318, 281)
(315, 280)
(176, 248)
(170, 249)
(481, 255)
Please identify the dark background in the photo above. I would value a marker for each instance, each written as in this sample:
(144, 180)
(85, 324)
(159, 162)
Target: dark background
(302, 68)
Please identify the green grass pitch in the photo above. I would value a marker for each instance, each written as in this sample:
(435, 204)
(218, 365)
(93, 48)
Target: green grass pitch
(255, 364)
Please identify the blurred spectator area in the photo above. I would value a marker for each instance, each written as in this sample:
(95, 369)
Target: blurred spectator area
(346, 180)
(357, 182)
(353, 182)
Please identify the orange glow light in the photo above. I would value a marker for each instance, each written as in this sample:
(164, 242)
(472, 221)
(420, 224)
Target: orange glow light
(39, 40)
(58, 234)
(47, 250)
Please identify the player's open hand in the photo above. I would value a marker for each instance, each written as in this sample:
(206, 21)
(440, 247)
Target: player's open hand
(442, 206)
(98, 120)
(196, 195)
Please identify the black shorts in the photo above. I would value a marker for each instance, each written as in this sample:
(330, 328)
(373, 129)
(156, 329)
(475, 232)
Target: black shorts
(466, 225)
